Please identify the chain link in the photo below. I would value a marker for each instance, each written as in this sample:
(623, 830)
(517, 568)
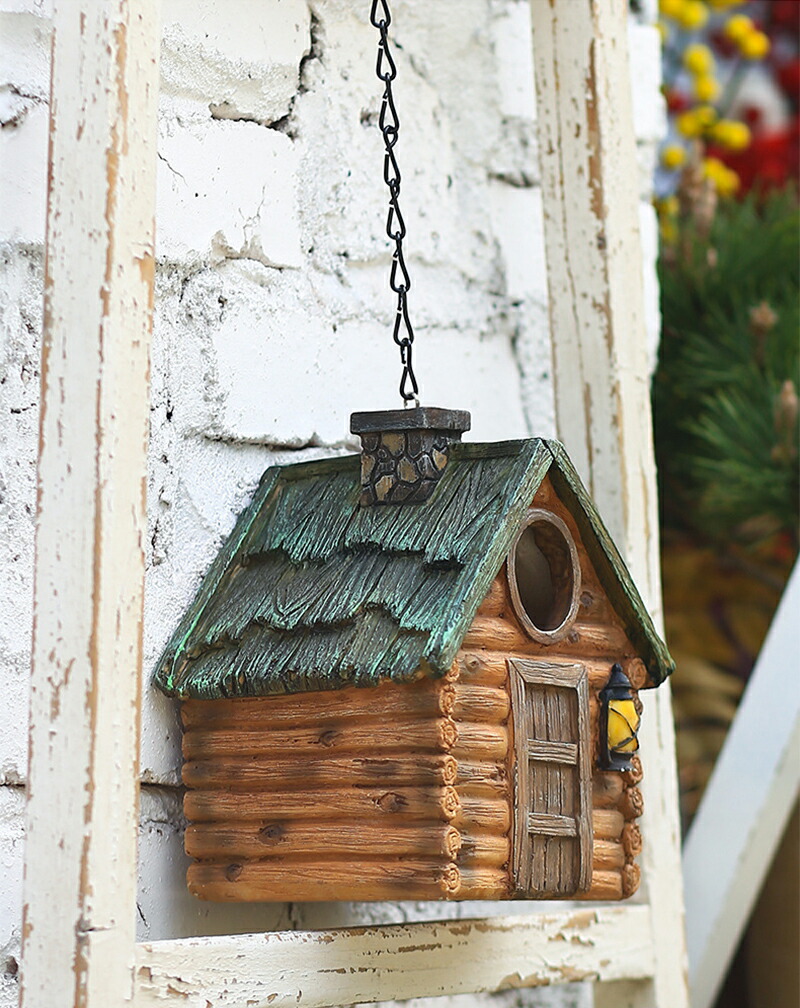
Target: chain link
(389, 125)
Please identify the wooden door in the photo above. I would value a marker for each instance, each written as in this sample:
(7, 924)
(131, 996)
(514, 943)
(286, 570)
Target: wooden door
(552, 798)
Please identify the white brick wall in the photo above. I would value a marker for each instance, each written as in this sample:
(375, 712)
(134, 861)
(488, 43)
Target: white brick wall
(272, 316)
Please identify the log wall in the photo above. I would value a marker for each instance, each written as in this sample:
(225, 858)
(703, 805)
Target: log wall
(344, 795)
(597, 640)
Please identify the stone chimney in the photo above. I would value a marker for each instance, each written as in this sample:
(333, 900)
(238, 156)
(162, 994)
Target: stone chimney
(404, 451)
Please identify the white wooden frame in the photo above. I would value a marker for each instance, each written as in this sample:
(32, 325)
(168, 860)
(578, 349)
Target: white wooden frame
(80, 900)
(748, 801)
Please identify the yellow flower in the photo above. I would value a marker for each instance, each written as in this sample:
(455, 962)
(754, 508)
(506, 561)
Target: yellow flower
(698, 59)
(725, 180)
(730, 134)
(671, 8)
(723, 4)
(669, 232)
(673, 156)
(668, 206)
(693, 14)
(737, 27)
(688, 126)
(706, 88)
(754, 45)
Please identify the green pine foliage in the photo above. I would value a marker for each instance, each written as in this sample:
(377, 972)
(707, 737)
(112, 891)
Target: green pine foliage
(725, 392)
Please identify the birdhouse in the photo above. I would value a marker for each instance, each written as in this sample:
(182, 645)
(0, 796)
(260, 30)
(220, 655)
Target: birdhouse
(414, 674)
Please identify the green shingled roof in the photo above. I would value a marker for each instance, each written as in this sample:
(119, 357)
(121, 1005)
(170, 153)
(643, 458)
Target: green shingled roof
(312, 591)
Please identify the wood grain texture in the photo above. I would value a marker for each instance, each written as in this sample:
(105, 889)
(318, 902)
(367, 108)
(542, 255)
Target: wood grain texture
(631, 804)
(497, 599)
(429, 698)
(483, 849)
(607, 824)
(484, 883)
(631, 840)
(552, 818)
(601, 372)
(608, 855)
(483, 815)
(631, 877)
(376, 805)
(80, 873)
(606, 885)
(277, 882)
(355, 737)
(303, 840)
(295, 774)
(313, 969)
(484, 668)
(480, 704)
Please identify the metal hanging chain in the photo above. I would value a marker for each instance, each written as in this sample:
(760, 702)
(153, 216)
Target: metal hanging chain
(399, 279)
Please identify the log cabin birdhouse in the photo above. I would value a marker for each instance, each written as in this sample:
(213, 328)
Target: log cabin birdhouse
(415, 675)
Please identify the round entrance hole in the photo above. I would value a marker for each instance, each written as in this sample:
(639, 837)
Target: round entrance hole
(544, 576)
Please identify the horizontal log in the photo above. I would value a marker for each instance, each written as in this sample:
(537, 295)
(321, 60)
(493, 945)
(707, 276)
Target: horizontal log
(495, 633)
(607, 854)
(480, 704)
(632, 840)
(300, 839)
(606, 885)
(483, 815)
(607, 790)
(607, 824)
(490, 668)
(483, 849)
(372, 804)
(551, 825)
(271, 881)
(483, 668)
(489, 774)
(300, 773)
(429, 698)
(375, 739)
(484, 883)
(631, 877)
(485, 790)
(631, 804)
(497, 598)
(480, 742)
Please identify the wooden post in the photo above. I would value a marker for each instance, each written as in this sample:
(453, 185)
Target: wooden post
(590, 192)
(80, 866)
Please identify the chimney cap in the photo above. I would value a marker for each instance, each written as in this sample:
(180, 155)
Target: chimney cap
(418, 418)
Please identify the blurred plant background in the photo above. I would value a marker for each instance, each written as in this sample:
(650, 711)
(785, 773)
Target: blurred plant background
(725, 394)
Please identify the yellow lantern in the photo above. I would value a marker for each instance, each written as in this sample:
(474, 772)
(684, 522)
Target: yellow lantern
(619, 722)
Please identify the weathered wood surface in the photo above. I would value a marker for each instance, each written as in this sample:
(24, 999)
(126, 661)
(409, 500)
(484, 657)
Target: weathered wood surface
(315, 841)
(288, 774)
(356, 737)
(552, 824)
(607, 824)
(279, 881)
(587, 152)
(374, 805)
(429, 699)
(80, 874)
(490, 667)
(748, 802)
(503, 633)
(316, 969)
